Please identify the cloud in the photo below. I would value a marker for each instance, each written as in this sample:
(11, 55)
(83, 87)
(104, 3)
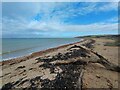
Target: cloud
(54, 10)
(109, 6)
(40, 29)
(60, 1)
(21, 19)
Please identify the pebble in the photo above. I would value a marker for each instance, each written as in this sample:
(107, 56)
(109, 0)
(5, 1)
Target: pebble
(98, 76)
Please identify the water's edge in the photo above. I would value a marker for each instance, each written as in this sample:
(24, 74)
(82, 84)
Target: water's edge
(40, 51)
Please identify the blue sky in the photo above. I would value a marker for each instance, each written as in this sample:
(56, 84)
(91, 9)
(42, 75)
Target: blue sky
(61, 19)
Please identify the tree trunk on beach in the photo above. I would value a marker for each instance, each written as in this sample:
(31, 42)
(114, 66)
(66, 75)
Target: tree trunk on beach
(102, 60)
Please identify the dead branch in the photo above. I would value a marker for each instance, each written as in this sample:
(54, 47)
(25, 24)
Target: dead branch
(72, 61)
(80, 81)
(102, 60)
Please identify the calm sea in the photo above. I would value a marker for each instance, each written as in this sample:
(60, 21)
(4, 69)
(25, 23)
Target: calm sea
(12, 48)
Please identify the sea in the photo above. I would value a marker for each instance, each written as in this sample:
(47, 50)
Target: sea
(17, 47)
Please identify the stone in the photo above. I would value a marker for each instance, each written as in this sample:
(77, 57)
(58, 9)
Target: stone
(98, 76)
(20, 67)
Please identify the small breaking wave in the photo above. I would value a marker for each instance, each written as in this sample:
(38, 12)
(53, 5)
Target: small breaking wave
(16, 50)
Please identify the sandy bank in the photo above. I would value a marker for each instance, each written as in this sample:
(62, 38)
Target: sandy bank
(36, 70)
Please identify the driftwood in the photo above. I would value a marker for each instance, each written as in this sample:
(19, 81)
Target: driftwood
(80, 80)
(72, 61)
(102, 60)
(79, 60)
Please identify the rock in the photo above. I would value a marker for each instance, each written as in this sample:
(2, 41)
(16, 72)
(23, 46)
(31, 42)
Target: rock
(97, 76)
(104, 48)
(108, 80)
(52, 70)
(20, 67)
(22, 72)
(31, 68)
(7, 86)
(110, 85)
(86, 83)
(12, 63)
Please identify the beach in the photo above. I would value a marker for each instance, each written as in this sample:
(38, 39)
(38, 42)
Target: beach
(55, 44)
(65, 66)
(18, 47)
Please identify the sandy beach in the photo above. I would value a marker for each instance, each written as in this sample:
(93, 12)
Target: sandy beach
(64, 66)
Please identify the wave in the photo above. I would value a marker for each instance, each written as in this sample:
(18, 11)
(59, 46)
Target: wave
(18, 50)
(35, 45)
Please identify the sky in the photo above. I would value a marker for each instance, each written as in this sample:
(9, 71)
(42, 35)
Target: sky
(58, 20)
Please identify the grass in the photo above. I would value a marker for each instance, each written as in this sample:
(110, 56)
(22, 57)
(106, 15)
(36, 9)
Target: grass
(116, 43)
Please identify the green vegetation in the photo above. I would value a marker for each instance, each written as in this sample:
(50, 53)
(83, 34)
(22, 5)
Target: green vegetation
(101, 36)
(116, 43)
(112, 37)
